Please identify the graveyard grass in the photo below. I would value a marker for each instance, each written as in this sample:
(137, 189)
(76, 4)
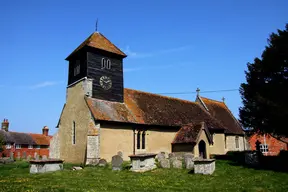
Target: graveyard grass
(227, 177)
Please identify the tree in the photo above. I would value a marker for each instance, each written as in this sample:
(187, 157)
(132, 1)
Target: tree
(1, 144)
(265, 94)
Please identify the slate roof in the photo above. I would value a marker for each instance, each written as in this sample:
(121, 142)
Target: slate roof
(99, 41)
(220, 111)
(25, 138)
(189, 133)
(151, 109)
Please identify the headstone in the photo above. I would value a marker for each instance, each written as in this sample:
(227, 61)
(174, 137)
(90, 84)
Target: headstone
(18, 155)
(35, 155)
(44, 157)
(164, 163)
(77, 168)
(171, 155)
(120, 154)
(188, 160)
(160, 156)
(28, 157)
(24, 155)
(11, 155)
(102, 163)
(117, 162)
(177, 164)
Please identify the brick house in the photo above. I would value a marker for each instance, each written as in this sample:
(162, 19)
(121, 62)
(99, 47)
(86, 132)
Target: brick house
(18, 143)
(100, 117)
(268, 144)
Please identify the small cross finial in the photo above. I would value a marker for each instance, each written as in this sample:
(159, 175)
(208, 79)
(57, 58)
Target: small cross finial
(96, 27)
(198, 91)
(223, 99)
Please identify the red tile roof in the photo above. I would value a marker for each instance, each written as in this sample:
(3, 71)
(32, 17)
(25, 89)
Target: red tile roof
(147, 108)
(40, 139)
(221, 112)
(99, 41)
(188, 133)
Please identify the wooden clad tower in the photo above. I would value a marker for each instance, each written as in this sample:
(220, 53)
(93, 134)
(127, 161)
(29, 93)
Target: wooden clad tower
(101, 61)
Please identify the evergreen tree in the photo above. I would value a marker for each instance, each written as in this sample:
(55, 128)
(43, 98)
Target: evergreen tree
(265, 94)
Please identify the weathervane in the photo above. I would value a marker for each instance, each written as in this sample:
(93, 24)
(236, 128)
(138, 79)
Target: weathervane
(96, 25)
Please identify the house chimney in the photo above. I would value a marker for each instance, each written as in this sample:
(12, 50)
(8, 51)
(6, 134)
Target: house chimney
(45, 130)
(5, 125)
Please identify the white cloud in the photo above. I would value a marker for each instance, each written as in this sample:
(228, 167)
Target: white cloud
(45, 84)
(132, 54)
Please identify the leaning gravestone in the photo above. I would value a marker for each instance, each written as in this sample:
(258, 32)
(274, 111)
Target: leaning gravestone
(188, 160)
(102, 163)
(165, 163)
(177, 164)
(160, 156)
(44, 157)
(12, 156)
(18, 155)
(24, 155)
(116, 163)
(120, 154)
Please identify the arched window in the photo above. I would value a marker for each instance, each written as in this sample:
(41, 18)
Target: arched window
(138, 139)
(108, 64)
(103, 63)
(143, 139)
(237, 142)
(74, 133)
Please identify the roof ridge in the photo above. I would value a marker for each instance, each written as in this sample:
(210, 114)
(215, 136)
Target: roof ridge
(163, 96)
(110, 42)
(212, 99)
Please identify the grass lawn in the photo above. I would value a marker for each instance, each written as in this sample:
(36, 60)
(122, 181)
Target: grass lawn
(16, 177)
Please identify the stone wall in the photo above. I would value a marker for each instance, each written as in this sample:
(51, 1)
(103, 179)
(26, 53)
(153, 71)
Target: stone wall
(218, 147)
(54, 151)
(231, 143)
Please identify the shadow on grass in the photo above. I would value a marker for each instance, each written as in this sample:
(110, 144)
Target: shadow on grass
(273, 163)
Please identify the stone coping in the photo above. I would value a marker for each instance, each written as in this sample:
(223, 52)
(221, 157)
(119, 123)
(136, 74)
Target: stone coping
(143, 155)
(204, 160)
(46, 161)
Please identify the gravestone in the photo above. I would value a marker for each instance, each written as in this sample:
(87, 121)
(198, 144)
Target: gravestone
(24, 155)
(18, 155)
(12, 156)
(188, 160)
(177, 164)
(44, 157)
(164, 163)
(35, 155)
(120, 154)
(117, 162)
(102, 163)
(171, 155)
(28, 157)
(160, 156)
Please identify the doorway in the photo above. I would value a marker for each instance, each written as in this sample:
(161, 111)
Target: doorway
(202, 149)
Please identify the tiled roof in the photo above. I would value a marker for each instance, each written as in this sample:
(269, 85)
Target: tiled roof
(99, 41)
(221, 112)
(147, 108)
(40, 139)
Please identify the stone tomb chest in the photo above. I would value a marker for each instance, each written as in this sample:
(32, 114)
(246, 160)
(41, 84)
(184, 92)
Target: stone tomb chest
(43, 166)
(204, 166)
(143, 162)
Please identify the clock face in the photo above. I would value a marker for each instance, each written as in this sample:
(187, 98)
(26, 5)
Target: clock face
(105, 82)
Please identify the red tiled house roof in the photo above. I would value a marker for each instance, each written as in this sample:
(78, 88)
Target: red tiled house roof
(221, 112)
(99, 41)
(151, 109)
(40, 139)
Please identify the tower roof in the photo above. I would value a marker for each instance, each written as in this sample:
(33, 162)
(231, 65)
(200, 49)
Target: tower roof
(99, 41)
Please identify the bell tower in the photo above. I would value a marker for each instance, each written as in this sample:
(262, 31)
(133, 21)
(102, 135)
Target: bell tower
(100, 61)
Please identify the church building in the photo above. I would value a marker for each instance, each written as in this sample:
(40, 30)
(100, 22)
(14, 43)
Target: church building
(100, 117)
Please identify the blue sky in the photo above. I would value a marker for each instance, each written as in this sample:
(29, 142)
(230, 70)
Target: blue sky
(173, 46)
